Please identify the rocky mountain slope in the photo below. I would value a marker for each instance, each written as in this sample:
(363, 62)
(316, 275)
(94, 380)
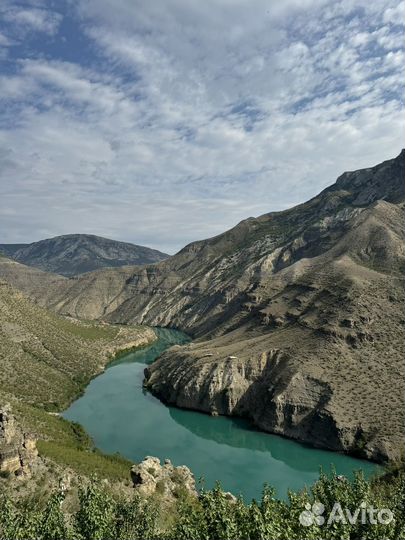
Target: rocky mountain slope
(46, 359)
(298, 316)
(46, 362)
(75, 254)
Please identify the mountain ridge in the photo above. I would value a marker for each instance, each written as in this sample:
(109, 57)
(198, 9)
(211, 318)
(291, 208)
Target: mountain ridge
(74, 254)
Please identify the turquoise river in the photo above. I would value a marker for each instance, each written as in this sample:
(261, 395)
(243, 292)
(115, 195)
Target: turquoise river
(122, 417)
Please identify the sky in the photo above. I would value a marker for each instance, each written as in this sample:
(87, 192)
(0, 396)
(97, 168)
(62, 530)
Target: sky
(161, 122)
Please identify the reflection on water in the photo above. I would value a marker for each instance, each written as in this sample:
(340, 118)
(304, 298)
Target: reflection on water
(122, 417)
(239, 433)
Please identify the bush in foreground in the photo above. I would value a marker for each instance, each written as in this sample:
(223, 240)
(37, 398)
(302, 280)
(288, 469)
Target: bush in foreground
(214, 515)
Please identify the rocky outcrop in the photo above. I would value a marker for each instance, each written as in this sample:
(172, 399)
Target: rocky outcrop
(150, 477)
(283, 396)
(18, 451)
(321, 375)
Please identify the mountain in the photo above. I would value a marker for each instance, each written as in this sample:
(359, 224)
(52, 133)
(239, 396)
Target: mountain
(297, 316)
(74, 254)
(37, 284)
(47, 359)
(46, 362)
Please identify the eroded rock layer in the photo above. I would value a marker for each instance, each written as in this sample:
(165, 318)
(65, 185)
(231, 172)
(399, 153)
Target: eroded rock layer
(18, 451)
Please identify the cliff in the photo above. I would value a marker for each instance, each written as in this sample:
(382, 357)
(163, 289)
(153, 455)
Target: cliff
(18, 452)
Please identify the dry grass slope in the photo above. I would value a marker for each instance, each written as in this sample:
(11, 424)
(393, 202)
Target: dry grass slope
(46, 362)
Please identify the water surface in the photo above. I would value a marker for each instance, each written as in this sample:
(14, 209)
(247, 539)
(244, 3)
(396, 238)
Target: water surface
(122, 417)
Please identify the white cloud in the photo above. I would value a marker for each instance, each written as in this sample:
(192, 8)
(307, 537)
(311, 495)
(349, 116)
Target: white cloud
(395, 59)
(32, 19)
(395, 14)
(197, 115)
(4, 40)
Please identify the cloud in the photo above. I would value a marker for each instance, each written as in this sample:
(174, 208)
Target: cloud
(395, 14)
(4, 41)
(32, 19)
(176, 119)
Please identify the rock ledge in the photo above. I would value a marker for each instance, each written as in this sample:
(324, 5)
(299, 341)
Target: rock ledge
(150, 477)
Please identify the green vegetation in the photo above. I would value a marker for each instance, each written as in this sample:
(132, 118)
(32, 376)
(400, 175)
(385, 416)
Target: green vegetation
(98, 514)
(112, 467)
(68, 445)
(48, 360)
(88, 330)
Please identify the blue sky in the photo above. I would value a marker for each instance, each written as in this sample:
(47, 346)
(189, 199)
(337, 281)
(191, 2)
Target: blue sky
(168, 121)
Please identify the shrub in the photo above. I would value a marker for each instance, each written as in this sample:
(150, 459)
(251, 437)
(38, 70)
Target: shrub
(211, 516)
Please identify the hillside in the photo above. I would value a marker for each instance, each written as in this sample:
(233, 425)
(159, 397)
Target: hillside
(46, 362)
(47, 359)
(74, 254)
(297, 316)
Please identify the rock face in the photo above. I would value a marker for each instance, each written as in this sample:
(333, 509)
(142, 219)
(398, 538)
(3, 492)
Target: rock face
(74, 254)
(18, 451)
(151, 477)
(297, 316)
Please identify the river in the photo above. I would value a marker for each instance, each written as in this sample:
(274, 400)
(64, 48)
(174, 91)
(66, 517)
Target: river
(122, 417)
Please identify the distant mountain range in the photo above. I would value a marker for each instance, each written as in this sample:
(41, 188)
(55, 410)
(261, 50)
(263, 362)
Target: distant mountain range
(73, 254)
(297, 315)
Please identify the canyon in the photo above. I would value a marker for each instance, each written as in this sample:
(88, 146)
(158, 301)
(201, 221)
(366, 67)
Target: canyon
(297, 316)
